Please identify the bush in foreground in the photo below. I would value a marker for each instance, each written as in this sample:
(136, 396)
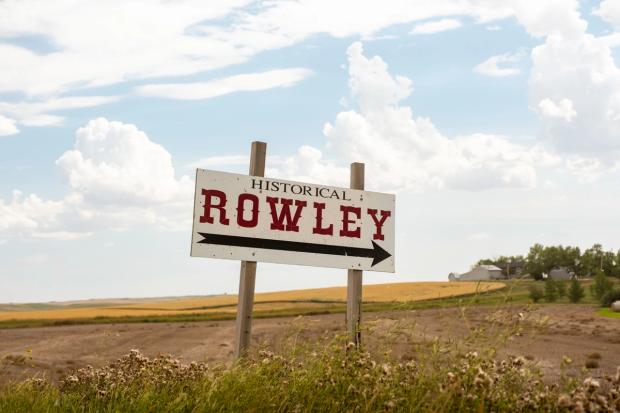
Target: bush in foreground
(333, 380)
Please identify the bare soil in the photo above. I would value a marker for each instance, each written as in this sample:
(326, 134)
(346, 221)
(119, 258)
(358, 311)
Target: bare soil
(544, 334)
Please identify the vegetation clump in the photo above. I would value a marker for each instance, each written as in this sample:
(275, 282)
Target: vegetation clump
(576, 292)
(601, 287)
(610, 297)
(560, 287)
(536, 293)
(551, 290)
(336, 379)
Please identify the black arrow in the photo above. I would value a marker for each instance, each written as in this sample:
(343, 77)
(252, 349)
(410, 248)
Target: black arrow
(377, 253)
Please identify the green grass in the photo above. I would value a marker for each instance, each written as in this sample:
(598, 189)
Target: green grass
(607, 312)
(515, 292)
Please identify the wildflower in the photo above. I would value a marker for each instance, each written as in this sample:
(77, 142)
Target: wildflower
(591, 384)
(482, 379)
(451, 377)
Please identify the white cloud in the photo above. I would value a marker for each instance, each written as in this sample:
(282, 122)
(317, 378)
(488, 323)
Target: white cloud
(491, 66)
(7, 126)
(436, 26)
(563, 110)
(116, 163)
(218, 87)
(112, 42)
(102, 43)
(118, 179)
(574, 77)
(308, 165)
(550, 17)
(609, 10)
(37, 113)
(32, 216)
(403, 152)
(227, 160)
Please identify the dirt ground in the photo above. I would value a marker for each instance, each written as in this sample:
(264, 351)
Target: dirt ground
(544, 334)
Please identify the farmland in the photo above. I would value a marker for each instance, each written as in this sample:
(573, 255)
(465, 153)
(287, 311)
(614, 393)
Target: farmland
(224, 306)
(414, 336)
(408, 355)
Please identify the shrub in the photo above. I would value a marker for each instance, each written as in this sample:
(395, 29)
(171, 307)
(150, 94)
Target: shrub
(602, 285)
(560, 287)
(576, 291)
(608, 299)
(535, 293)
(551, 291)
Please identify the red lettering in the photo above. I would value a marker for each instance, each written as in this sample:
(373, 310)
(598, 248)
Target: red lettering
(209, 194)
(253, 221)
(346, 231)
(284, 222)
(318, 228)
(378, 222)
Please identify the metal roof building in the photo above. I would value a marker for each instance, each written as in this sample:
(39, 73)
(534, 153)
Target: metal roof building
(479, 273)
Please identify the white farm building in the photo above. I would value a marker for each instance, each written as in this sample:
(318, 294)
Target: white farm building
(479, 273)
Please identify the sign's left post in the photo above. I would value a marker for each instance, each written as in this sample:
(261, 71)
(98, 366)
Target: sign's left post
(247, 277)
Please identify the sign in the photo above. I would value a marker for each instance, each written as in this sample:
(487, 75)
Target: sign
(250, 218)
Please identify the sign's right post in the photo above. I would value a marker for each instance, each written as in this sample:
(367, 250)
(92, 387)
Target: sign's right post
(354, 279)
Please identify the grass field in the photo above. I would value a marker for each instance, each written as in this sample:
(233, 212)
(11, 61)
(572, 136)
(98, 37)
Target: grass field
(606, 312)
(224, 306)
(380, 297)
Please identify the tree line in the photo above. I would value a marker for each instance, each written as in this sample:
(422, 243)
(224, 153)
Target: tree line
(542, 259)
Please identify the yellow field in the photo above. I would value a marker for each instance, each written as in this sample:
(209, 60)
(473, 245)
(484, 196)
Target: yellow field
(283, 300)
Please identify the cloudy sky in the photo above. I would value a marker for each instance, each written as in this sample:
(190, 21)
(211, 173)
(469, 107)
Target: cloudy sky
(495, 122)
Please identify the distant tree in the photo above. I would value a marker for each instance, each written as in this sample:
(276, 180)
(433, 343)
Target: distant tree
(576, 291)
(485, 261)
(611, 264)
(602, 285)
(506, 262)
(542, 259)
(592, 260)
(535, 293)
(551, 290)
(534, 261)
(560, 287)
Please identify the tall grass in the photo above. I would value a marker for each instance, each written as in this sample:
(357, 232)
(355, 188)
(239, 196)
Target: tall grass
(326, 374)
(333, 380)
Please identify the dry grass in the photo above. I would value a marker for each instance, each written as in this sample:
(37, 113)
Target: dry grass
(283, 300)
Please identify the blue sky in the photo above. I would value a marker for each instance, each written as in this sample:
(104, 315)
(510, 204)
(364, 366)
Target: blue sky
(496, 124)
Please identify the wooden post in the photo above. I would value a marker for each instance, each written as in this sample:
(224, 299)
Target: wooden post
(354, 279)
(247, 277)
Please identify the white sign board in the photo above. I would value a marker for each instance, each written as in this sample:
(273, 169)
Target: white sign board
(248, 218)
